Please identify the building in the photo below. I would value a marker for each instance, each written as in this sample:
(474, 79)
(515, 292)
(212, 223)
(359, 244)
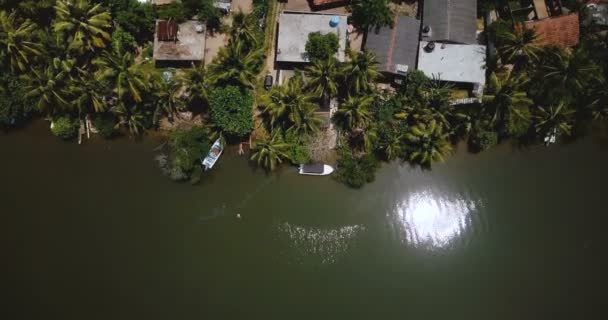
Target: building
(294, 28)
(179, 45)
(553, 23)
(326, 4)
(452, 21)
(396, 48)
(461, 64)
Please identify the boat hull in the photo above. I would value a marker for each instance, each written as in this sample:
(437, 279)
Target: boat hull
(327, 170)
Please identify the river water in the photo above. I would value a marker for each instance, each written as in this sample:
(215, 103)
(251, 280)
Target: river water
(96, 232)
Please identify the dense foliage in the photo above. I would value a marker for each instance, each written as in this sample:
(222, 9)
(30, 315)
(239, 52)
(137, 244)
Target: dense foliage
(186, 147)
(321, 46)
(65, 127)
(231, 110)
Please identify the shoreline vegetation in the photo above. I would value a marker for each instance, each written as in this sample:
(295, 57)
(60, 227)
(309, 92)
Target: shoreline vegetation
(83, 59)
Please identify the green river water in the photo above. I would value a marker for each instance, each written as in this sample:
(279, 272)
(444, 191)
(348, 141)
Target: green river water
(96, 232)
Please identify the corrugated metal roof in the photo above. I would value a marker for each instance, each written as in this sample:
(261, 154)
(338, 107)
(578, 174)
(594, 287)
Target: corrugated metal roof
(451, 20)
(396, 46)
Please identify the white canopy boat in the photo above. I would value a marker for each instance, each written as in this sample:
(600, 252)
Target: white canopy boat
(214, 154)
(316, 169)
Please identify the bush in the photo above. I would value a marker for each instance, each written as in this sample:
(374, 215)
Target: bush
(65, 127)
(106, 125)
(298, 154)
(482, 140)
(134, 17)
(123, 40)
(14, 108)
(321, 47)
(230, 109)
(186, 147)
(174, 11)
(355, 172)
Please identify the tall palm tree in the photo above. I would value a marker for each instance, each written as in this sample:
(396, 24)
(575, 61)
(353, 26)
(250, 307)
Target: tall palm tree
(570, 72)
(197, 83)
(360, 71)
(88, 93)
(167, 98)
(243, 29)
(521, 46)
(17, 44)
(235, 65)
(427, 143)
(131, 116)
(557, 118)
(86, 26)
(287, 106)
(305, 121)
(48, 86)
(323, 79)
(120, 71)
(504, 100)
(354, 113)
(267, 153)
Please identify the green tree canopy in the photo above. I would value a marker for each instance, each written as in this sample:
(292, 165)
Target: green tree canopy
(321, 46)
(230, 109)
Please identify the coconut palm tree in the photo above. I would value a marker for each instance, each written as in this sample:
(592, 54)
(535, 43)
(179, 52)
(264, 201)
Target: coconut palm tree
(323, 79)
(48, 86)
(235, 65)
(87, 92)
(557, 118)
(354, 113)
(371, 15)
(570, 72)
(243, 29)
(287, 106)
(86, 26)
(197, 83)
(267, 153)
(504, 100)
(130, 116)
(360, 72)
(17, 44)
(167, 98)
(305, 121)
(427, 143)
(519, 47)
(123, 75)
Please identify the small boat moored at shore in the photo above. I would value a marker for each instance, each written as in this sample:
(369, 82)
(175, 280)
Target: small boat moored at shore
(316, 169)
(214, 153)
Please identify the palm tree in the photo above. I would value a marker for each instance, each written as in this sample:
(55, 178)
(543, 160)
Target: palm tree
(243, 29)
(504, 100)
(427, 143)
(570, 72)
(360, 71)
(84, 25)
(557, 118)
(167, 98)
(269, 152)
(88, 93)
(17, 46)
(521, 46)
(354, 113)
(287, 106)
(48, 86)
(118, 69)
(197, 85)
(131, 116)
(323, 79)
(234, 65)
(305, 121)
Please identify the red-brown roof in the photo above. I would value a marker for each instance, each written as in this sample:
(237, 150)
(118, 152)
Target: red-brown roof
(319, 3)
(166, 30)
(562, 31)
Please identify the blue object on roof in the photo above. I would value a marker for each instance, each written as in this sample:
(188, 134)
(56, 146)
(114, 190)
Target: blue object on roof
(334, 21)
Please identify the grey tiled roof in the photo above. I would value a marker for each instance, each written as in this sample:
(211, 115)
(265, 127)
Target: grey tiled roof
(398, 45)
(451, 20)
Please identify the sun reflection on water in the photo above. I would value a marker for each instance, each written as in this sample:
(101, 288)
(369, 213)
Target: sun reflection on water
(429, 220)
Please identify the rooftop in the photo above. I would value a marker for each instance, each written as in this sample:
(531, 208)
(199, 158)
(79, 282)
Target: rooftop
(321, 3)
(294, 28)
(454, 62)
(450, 20)
(396, 47)
(562, 31)
(190, 44)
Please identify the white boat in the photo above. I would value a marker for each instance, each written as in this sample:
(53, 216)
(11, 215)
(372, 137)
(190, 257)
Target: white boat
(214, 153)
(316, 169)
